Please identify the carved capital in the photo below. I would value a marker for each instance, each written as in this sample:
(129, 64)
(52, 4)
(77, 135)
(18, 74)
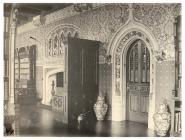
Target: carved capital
(160, 56)
(14, 17)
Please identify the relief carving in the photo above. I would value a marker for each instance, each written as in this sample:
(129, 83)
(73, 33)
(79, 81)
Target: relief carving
(58, 103)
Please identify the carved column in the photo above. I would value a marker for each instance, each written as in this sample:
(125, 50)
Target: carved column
(9, 108)
(13, 24)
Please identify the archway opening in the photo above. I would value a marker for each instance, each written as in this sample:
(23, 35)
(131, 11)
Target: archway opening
(118, 49)
(137, 82)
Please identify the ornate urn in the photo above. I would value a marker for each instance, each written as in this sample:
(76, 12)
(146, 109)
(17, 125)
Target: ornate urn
(100, 108)
(162, 120)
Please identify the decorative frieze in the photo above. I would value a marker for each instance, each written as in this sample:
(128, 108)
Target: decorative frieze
(39, 20)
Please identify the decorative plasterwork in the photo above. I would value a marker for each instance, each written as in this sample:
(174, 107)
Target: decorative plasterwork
(100, 24)
(104, 22)
(97, 24)
(159, 18)
(102, 55)
(67, 12)
(38, 20)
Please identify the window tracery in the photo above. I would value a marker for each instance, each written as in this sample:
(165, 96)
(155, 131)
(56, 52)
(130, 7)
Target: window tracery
(139, 63)
(57, 40)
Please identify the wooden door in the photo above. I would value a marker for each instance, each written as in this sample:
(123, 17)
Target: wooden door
(82, 77)
(138, 78)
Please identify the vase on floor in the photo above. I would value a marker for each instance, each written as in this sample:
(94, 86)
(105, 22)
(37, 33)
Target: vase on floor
(162, 120)
(100, 108)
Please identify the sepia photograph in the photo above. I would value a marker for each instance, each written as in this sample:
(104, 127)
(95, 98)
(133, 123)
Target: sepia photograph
(92, 69)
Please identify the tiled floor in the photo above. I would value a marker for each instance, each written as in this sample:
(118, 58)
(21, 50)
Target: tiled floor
(40, 122)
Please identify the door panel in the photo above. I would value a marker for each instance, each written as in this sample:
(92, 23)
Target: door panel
(133, 102)
(138, 70)
(82, 77)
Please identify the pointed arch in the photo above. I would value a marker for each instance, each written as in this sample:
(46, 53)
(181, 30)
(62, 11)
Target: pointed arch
(118, 48)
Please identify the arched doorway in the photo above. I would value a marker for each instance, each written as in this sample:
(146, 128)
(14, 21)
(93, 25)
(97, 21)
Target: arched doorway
(118, 49)
(137, 82)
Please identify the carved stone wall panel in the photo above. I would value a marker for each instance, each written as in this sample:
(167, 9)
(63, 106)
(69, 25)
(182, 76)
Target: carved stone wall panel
(58, 103)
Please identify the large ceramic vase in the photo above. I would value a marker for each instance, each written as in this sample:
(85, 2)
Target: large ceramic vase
(162, 120)
(100, 108)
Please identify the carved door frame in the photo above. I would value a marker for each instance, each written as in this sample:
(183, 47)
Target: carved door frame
(118, 48)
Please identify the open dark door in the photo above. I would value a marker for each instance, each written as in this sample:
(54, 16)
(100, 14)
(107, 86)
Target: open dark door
(82, 77)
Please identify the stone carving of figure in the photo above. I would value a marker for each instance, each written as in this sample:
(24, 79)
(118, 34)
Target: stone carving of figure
(61, 47)
(162, 120)
(55, 47)
(53, 88)
(50, 48)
